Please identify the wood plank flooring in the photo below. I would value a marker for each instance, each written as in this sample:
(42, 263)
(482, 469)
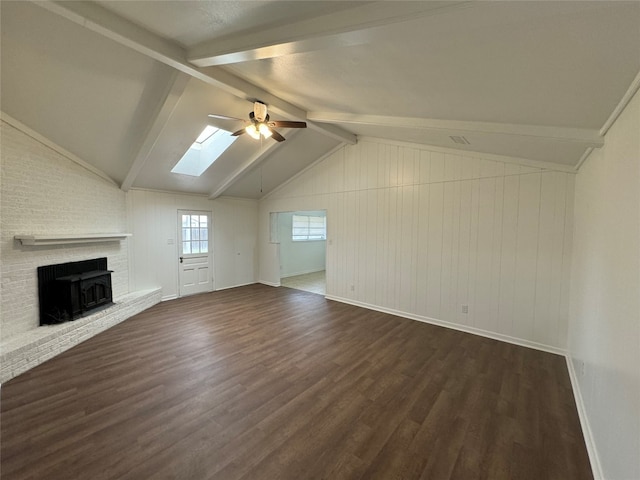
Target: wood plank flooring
(266, 383)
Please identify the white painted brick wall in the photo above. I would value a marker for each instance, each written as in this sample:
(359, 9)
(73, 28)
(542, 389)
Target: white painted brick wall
(44, 192)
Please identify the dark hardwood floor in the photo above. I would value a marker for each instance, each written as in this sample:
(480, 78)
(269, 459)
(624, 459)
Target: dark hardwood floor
(266, 383)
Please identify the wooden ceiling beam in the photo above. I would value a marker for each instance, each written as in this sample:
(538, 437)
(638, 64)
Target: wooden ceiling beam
(267, 149)
(106, 23)
(337, 29)
(161, 116)
(588, 137)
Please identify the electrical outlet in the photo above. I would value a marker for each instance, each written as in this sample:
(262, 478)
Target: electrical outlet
(465, 308)
(352, 287)
(581, 367)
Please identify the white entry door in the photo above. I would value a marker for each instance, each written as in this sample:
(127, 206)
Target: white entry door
(194, 249)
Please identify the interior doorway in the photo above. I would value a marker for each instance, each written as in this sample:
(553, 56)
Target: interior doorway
(302, 236)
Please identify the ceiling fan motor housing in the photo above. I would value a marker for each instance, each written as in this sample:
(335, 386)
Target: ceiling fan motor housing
(260, 111)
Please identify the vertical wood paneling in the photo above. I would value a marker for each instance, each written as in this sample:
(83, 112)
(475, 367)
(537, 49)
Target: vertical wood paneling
(437, 167)
(527, 251)
(508, 253)
(391, 245)
(422, 266)
(473, 247)
(562, 331)
(452, 167)
(492, 320)
(339, 244)
(462, 285)
(415, 225)
(425, 167)
(452, 301)
(382, 246)
(362, 250)
(447, 296)
(480, 303)
(434, 279)
(543, 322)
(425, 232)
(394, 171)
(370, 246)
(351, 176)
(407, 272)
(383, 166)
(330, 265)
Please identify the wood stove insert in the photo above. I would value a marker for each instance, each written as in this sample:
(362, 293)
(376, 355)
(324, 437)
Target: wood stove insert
(71, 290)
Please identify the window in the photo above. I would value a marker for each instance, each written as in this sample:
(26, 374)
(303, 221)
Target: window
(209, 145)
(195, 234)
(308, 227)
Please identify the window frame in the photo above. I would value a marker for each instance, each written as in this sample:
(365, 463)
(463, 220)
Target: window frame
(191, 228)
(308, 237)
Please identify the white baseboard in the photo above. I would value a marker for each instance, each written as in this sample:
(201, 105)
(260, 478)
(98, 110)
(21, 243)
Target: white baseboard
(454, 326)
(596, 467)
(168, 297)
(235, 286)
(270, 284)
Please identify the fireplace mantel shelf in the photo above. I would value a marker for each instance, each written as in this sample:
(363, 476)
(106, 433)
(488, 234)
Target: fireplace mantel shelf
(62, 239)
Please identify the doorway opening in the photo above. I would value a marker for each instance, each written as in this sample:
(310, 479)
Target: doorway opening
(302, 236)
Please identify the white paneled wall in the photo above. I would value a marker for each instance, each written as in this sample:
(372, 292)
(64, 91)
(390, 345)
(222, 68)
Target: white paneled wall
(604, 326)
(235, 224)
(423, 232)
(153, 219)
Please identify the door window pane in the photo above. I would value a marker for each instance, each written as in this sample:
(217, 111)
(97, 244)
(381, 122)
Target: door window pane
(195, 234)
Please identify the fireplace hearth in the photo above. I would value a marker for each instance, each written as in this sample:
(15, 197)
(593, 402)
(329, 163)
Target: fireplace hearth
(72, 290)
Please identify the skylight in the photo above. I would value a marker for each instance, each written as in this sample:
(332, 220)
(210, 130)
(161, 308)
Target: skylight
(209, 145)
(206, 133)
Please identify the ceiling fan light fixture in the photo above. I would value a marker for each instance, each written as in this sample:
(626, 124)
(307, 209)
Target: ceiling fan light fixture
(264, 130)
(259, 126)
(253, 131)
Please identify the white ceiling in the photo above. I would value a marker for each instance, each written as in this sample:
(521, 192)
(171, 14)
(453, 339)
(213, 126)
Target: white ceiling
(127, 86)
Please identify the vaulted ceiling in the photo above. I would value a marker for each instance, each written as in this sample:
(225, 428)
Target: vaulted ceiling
(127, 86)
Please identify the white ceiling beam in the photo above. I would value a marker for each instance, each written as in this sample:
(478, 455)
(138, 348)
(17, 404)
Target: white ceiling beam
(106, 23)
(338, 29)
(161, 115)
(588, 137)
(624, 101)
(253, 161)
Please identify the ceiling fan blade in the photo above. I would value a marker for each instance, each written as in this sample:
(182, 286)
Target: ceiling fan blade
(276, 136)
(224, 117)
(239, 132)
(287, 124)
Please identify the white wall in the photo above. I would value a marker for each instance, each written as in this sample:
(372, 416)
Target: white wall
(297, 258)
(421, 231)
(43, 192)
(604, 329)
(153, 220)
(235, 237)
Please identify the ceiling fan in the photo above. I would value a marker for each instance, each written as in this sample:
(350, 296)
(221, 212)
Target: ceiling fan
(260, 124)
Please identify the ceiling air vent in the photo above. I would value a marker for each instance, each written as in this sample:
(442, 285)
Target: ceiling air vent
(459, 139)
